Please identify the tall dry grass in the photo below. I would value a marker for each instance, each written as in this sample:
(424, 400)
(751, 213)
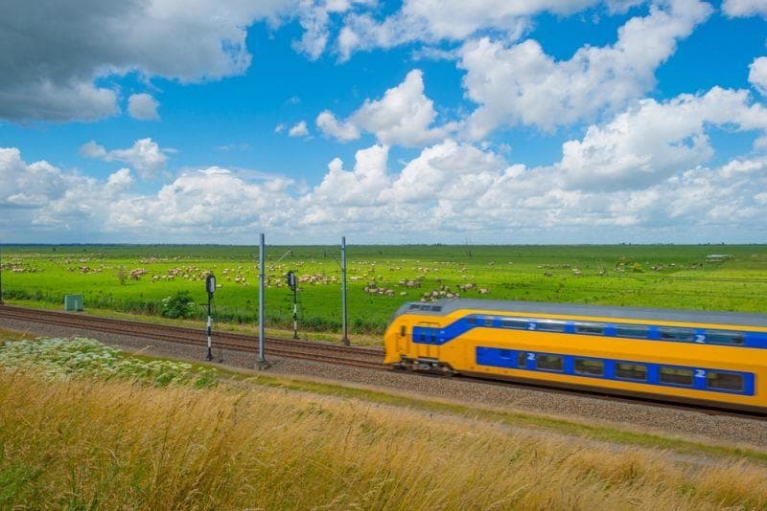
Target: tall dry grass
(83, 444)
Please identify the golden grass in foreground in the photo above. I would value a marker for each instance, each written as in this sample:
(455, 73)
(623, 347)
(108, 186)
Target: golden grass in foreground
(112, 445)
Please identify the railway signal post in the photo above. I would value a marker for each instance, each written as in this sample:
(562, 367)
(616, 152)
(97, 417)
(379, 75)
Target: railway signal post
(210, 287)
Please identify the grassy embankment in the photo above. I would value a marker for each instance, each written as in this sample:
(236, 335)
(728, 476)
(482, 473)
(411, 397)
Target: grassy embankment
(683, 277)
(84, 434)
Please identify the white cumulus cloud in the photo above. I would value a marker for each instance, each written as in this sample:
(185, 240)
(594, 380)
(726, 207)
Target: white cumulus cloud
(315, 18)
(358, 187)
(403, 116)
(299, 130)
(209, 204)
(743, 8)
(143, 107)
(446, 170)
(330, 126)
(39, 200)
(52, 62)
(757, 74)
(146, 156)
(655, 141)
(449, 191)
(430, 21)
(520, 84)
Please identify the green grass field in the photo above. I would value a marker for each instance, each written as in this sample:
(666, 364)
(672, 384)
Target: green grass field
(137, 278)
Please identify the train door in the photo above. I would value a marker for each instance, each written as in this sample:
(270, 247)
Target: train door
(403, 340)
(425, 341)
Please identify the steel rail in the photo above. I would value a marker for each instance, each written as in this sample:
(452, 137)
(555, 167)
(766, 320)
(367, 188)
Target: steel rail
(364, 357)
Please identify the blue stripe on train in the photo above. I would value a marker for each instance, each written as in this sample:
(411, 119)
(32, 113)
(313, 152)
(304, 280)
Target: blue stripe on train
(509, 359)
(440, 336)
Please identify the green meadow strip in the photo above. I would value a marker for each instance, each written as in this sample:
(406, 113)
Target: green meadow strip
(146, 280)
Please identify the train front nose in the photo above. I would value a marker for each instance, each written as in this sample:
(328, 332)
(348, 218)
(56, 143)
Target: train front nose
(392, 345)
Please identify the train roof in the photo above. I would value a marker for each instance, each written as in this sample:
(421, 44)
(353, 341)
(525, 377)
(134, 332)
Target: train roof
(446, 306)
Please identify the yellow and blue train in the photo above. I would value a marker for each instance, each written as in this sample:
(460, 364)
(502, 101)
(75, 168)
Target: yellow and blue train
(706, 358)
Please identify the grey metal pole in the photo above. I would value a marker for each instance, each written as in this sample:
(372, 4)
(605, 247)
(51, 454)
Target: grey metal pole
(1, 275)
(262, 363)
(345, 338)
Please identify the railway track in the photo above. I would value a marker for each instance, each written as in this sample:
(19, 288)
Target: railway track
(363, 357)
(352, 356)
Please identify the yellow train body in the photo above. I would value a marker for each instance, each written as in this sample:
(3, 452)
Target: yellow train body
(707, 358)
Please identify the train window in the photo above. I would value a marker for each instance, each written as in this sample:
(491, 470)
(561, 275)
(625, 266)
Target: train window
(522, 360)
(638, 331)
(589, 328)
(676, 376)
(480, 320)
(518, 324)
(721, 337)
(630, 371)
(550, 362)
(589, 366)
(505, 354)
(423, 337)
(724, 381)
(677, 334)
(550, 326)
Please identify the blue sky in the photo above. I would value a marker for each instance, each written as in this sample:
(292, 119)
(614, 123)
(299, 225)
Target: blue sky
(423, 121)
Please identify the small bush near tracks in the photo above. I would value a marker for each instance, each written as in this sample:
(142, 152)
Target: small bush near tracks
(177, 306)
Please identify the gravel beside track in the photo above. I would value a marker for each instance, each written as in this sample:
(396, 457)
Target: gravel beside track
(687, 424)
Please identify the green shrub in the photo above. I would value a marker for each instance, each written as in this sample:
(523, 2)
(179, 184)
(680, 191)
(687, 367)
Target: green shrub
(177, 306)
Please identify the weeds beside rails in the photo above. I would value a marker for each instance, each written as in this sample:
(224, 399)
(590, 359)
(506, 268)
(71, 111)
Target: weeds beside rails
(76, 437)
(64, 358)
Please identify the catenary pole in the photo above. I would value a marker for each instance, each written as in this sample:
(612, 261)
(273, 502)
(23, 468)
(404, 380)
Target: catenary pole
(1, 274)
(343, 291)
(262, 363)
